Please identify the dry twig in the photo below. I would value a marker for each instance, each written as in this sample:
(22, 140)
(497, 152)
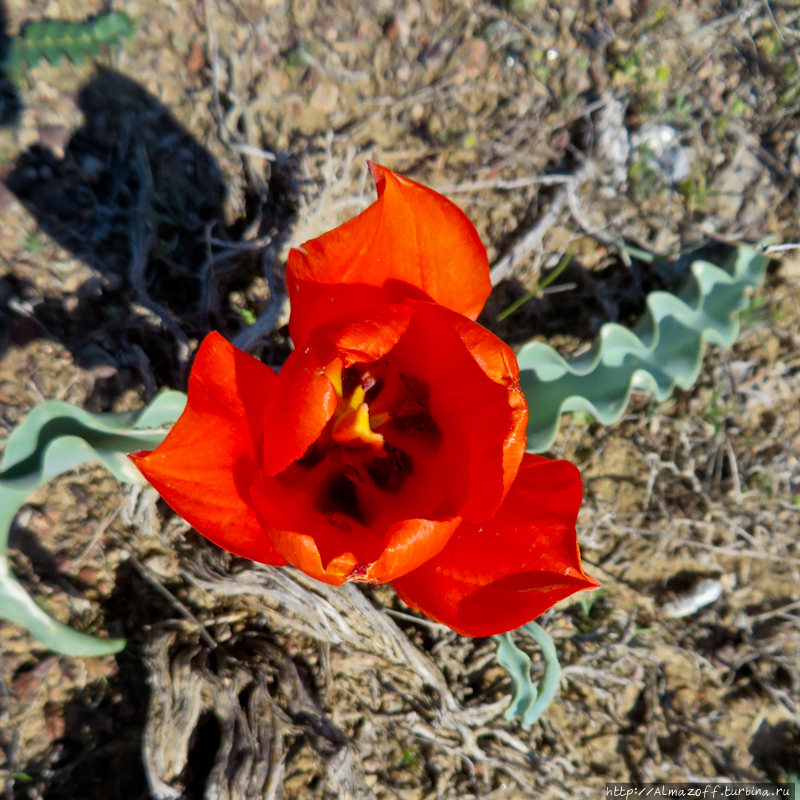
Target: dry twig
(535, 236)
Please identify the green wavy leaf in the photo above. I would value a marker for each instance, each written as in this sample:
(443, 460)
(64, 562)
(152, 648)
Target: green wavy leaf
(518, 665)
(56, 437)
(18, 606)
(529, 702)
(663, 351)
(119, 433)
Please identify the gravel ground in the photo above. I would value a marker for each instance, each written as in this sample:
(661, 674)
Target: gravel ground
(152, 196)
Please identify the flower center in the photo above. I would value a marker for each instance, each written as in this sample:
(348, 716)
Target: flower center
(351, 419)
(376, 462)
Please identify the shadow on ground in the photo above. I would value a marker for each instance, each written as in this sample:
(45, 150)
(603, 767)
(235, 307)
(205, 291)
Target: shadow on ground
(10, 105)
(99, 754)
(136, 198)
(581, 300)
(140, 201)
(776, 750)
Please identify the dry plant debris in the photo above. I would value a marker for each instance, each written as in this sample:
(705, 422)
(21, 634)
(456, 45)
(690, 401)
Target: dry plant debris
(153, 198)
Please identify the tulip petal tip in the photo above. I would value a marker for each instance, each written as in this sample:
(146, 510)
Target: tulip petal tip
(378, 175)
(591, 583)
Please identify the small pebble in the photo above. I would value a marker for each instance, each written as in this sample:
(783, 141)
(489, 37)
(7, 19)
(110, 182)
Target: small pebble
(397, 30)
(54, 138)
(324, 97)
(195, 61)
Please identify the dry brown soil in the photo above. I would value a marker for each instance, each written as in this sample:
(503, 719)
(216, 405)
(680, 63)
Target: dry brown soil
(137, 215)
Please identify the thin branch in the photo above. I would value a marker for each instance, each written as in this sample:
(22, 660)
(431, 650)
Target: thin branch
(504, 185)
(535, 236)
(248, 338)
(140, 242)
(173, 601)
(253, 152)
(101, 529)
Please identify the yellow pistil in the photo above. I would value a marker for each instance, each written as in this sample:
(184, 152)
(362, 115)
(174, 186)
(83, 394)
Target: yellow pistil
(353, 426)
(351, 417)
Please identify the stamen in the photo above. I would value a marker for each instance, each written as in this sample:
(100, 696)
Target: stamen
(357, 398)
(351, 422)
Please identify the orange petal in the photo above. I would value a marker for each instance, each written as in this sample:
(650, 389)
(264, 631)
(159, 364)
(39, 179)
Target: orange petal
(409, 544)
(411, 242)
(498, 362)
(300, 551)
(360, 337)
(208, 461)
(332, 556)
(297, 410)
(454, 414)
(494, 577)
(475, 400)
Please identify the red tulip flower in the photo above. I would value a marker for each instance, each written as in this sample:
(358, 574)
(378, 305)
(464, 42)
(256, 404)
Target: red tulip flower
(391, 446)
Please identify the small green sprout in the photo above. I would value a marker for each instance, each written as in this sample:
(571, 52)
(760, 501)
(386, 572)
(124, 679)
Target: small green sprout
(247, 316)
(52, 39)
